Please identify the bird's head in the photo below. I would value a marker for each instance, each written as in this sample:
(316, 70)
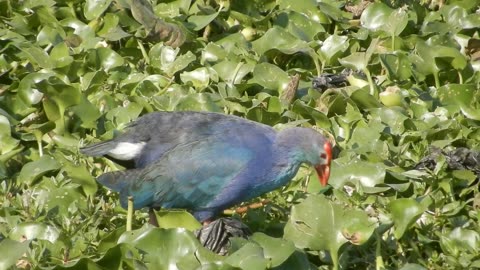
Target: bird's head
(323, 168)
(310, 147)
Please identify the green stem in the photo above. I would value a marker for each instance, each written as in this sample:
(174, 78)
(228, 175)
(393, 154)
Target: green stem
(315, 60)
(144, 52)
(38, 136)
(370, 82)
(129, 213)
(393, 43)
(379, 264)
(460, 77)
(437, 79)
(334, 256)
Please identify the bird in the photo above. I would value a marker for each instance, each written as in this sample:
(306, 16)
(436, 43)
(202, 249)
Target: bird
(206, 162)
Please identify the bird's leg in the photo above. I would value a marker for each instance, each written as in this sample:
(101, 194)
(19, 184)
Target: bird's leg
(244, 209)
(206, 222)
(153, 218)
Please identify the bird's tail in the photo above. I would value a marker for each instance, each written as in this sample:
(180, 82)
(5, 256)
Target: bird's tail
(128, 184)
(97, 149)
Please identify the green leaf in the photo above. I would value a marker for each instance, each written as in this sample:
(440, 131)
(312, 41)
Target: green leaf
(199, 78)
(299, 25)
(270, 76)
(167, 59)
(460, 240)
(307, 7)
(357, 172)
(405, 213)
(332, 46)
(279, 39)
(7, 143)
(463, 96)
(201, 21)
(11, 252)
(179, 247)
(275, 249)
(34, 230)
(35, 169)
(36, 55)
(105, 58)
(249, 256)
(60, 56)
(413, 266)
(94, 8)
(168, 219)
(319, 224)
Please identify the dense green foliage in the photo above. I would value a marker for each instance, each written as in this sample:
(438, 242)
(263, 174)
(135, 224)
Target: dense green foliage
(73, 72)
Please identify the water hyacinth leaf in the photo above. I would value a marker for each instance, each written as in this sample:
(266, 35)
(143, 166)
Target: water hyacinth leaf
(27, 90)
(7, 143)
(36, 55)
(393, 117)
(375, 16)
(319, 224)
(35, 169)
(332, 46)
(167, 59)
(94, 8)
(270, 76)
(87, 113)
(275, 249)
(201, 21)
(80, 175)
(460, 240)
(397, 65)
(11, 252)
(50, 35)
(413, 266)
(356, 61)
(364, 100)
(279, 39)
(463, 96)
(178, 247)
(176, 219)
(110, 30)
(307, 7)
(308, 112)
(199, 78)
(83, 36)
(173, 8)
(64, 95)
(106, 59)
(405, 212)
(197, 102)
(397, 21)
(232, 72)
(249, 256)
(34, 230)
(299, 25)
(213, 53)
(65, 199)
(357, 172)
(60, 56)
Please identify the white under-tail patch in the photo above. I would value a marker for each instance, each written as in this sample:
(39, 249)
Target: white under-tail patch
(126, 150)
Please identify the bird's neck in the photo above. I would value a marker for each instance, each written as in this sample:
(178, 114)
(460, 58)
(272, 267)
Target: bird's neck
(287, 156)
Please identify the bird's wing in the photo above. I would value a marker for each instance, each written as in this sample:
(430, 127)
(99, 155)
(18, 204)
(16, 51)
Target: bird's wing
(154, 134)
(188, 176)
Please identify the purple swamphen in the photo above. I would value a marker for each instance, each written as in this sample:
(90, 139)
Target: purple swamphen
(206, 162)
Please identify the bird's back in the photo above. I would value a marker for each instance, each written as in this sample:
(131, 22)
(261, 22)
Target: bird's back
(154, 134)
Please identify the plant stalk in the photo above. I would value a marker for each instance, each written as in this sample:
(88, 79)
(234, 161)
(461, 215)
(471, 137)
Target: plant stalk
(129, 213)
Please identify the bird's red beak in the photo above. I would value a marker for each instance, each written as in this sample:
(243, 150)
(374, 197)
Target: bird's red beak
(323, 170)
